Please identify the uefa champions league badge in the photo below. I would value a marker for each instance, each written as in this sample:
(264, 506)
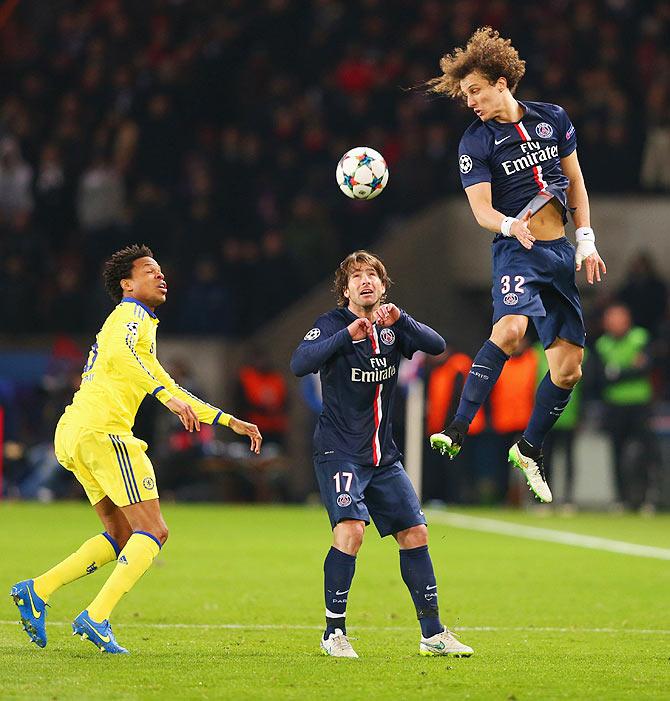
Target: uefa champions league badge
(544, 130)
(465, 163)
(312, 334)
(387, 337)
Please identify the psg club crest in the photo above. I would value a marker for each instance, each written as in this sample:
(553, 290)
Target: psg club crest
(343, 500)
(312, 334)
(544, 130)
(511, 299)
(387, 337)
(465, 163)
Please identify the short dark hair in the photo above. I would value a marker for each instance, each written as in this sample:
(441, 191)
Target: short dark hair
(120, 266)
(349, 264)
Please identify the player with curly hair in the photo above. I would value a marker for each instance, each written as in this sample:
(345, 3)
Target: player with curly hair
(519, 168)
(94, 440)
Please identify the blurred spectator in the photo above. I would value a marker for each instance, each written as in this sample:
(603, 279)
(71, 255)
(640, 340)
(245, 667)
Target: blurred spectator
(622, 351)
(645, 293)
(262, 397)
(16, 176)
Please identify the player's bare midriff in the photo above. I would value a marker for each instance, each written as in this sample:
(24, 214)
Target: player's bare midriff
(547, 224)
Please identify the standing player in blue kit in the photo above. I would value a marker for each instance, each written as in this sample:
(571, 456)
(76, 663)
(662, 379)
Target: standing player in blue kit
(357, 349)
(519, 168)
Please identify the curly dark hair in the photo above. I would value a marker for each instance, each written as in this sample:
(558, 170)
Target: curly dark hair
(487, 53)
(348, 265)
(120, 266)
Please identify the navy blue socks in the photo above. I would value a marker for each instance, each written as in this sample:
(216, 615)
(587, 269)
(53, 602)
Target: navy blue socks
(338, 571)
(550, 401)
(416, 568)
(484, 373)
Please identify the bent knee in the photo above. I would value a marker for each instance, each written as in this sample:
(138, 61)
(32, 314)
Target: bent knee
(509, 334)
(158, 531)
(348, 536)
(414, 537)
(568, 377)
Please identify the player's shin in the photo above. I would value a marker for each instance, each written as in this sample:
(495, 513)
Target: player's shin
(91, 556)
(338, 573)
(484, 373)
(134, 560)
(550, 401)
(417, 572)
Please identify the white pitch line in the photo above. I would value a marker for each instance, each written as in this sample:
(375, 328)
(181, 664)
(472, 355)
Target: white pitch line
(260, 627)
(489, 525)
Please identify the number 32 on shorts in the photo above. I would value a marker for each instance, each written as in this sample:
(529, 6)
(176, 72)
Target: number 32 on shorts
(506, 284)
(344, 480)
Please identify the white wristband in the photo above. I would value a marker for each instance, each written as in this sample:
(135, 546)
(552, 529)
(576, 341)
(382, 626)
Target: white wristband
(585, 233)
(506, 225)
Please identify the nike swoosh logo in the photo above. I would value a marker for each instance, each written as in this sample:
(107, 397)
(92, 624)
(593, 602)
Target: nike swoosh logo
(37, 614)
(340, 593)
(496, 141)
(433, 587)
(481, 366)
(104, 638)
(439, 646)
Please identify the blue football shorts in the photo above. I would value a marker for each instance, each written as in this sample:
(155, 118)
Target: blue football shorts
(384, 493)
(538, 283)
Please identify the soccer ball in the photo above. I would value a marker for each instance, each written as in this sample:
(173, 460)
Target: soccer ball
(362, 173)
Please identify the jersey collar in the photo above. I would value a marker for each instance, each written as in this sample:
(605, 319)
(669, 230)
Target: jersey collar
(141, 304)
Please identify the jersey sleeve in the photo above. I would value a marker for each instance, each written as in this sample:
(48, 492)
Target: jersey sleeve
(168, 388)
(128, 348)
(567, 138)
(320, 343)
(473, 161)
(416, 336)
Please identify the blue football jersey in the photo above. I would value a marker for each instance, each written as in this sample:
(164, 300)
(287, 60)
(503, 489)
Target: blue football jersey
(358, 382)
(520, 159)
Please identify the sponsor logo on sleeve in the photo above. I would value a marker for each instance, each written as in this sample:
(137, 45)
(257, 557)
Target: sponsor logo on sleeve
(544, 130)
(312, 334)
(387, 336)
(465, 163)
(569, 133)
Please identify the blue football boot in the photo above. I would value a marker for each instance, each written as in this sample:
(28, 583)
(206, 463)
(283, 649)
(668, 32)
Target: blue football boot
(33, 611)
(100, 634)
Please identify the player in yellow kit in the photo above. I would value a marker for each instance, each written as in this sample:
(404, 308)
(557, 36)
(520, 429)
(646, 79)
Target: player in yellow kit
(94, 440)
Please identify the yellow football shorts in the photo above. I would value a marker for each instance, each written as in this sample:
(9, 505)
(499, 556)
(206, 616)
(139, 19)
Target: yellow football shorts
(106, 464)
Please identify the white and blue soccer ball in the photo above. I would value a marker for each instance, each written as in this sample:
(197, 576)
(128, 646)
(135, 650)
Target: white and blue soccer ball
(362, 173)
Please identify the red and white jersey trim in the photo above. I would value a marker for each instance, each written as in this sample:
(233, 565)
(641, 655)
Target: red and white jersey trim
(537, 170)
(377, 407)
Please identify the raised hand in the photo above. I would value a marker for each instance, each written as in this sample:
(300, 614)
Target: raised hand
(387, 315)
(359, 329)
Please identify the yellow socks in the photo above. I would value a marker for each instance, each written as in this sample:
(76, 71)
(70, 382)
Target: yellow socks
(134, 560)
(92, 555)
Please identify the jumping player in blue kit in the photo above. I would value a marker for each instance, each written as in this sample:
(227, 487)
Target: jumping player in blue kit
(519, 168)
(357, 349)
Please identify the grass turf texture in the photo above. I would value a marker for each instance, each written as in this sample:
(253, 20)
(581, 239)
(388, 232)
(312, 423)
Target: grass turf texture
(259, 567)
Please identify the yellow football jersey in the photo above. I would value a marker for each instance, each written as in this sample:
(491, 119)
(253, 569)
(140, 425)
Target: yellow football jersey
(122, 369)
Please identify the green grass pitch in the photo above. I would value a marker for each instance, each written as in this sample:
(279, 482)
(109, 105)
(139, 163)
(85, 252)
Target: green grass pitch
(233, 609)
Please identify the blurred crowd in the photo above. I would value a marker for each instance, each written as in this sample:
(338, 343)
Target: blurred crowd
(211, 130)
